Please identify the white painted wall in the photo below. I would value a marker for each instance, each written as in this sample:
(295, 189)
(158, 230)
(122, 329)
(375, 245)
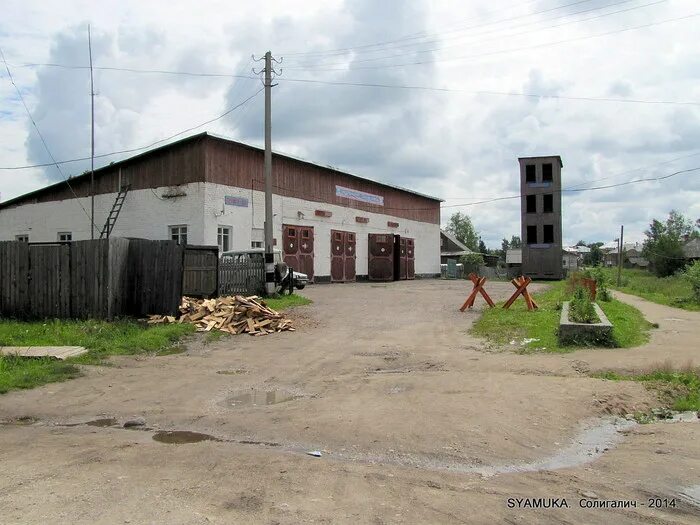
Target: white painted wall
(286, 210)
(147, 214)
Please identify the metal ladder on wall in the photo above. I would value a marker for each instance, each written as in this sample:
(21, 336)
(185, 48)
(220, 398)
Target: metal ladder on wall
(114, 212)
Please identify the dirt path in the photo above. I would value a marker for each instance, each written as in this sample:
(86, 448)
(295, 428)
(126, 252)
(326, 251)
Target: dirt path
(415, 422)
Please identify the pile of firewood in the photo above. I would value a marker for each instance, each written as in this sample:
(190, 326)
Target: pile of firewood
(235, 315)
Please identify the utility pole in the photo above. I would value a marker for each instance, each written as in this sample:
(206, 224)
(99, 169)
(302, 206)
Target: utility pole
(620, 255)
(269, 256)
(92, 142)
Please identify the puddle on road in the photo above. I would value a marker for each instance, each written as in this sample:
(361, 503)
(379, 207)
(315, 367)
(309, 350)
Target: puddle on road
(258, 397)
(588, 445)
(181, 437)
(691, 495)
(103, 422)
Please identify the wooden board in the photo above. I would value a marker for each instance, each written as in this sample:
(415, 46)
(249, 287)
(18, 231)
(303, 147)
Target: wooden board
(58, 352)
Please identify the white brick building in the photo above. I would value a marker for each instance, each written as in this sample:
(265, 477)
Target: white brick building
(208, 190)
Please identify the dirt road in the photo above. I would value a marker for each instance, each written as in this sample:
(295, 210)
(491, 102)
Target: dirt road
(416, 421)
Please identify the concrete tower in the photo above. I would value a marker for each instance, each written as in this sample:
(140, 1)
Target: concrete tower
(540, 219)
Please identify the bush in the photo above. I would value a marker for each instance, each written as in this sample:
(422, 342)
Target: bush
(581, 308)
(601, 281)
(471, 263)
(692, 274)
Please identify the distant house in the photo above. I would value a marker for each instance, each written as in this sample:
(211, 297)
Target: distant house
(571, 260)
(691, 250)
(632, 253)
(451, 247)
(633, 256)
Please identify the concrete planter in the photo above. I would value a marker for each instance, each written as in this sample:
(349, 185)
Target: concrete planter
(584, 334)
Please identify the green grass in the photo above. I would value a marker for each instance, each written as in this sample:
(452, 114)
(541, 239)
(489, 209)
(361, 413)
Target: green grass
(101, 338)
(501, 326)
(287, 301)
(19, 372)
(680, 389)
(670, 291)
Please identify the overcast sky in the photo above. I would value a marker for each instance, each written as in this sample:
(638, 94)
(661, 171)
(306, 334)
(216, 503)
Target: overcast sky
(461, 145)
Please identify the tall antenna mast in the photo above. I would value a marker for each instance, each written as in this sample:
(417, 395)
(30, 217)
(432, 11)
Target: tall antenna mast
(92, 142)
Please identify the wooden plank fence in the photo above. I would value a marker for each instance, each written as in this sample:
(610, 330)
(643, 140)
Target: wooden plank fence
(246, 277)
(100, 279)
(201, 275)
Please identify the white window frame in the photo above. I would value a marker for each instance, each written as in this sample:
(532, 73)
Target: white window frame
(257, 244)
(177, 232)
(23, 237)
(67, 236)
(221, 231)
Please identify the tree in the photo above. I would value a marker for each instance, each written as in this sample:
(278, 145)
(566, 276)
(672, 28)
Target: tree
(663, 247)
(482, 247)
(581, 243)
(595, 256)
(515, 242)
(460, 225)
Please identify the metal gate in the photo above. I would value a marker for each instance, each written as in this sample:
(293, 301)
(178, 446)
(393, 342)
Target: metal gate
(298, 249)
(342, 256)
(381, 257)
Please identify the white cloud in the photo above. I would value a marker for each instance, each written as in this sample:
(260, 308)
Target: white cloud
(459, 146)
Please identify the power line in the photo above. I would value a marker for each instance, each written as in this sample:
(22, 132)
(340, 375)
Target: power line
(43, 141)
(132, 150)
(578, 190)
(423, 34)
(499, 37)
(507, 197)
(512, 50)
(386, 86)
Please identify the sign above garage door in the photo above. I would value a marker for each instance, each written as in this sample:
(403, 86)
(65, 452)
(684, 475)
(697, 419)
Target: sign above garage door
(358, 195)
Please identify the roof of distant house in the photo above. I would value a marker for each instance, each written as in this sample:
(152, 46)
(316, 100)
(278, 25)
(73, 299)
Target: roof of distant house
(463, 249)
(691, 249)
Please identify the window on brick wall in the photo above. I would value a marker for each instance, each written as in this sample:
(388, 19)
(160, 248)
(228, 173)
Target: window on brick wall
(179, 234)
(531, 234)
(548, 234)
(530, 171)
(547, 172)
(223, 238)
(548, 203)
(531, 204)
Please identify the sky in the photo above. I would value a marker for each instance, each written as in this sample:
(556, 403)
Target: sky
(612, 86)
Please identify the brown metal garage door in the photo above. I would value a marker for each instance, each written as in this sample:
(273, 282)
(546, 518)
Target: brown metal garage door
(400, 257)
(342, 256)
(381, 257)
(298, 248)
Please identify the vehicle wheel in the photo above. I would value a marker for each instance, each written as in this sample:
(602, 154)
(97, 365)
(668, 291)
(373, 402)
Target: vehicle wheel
(300, 287)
